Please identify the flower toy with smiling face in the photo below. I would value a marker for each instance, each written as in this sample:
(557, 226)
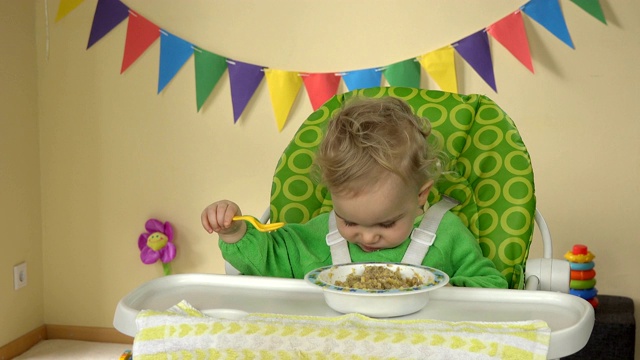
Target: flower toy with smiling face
(157, 244)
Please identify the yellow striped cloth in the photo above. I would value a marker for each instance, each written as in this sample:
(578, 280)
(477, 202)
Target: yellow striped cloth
(183, 332)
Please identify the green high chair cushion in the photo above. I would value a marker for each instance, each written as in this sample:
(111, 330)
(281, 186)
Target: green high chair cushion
(489, 171)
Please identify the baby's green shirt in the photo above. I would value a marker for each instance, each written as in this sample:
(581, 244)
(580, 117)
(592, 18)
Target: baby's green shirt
(295, 249)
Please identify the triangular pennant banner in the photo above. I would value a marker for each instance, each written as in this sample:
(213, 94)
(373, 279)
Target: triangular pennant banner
(441, 67)
(284, 87)
(320, 87)
(209, 68)
(244, 79)
(141, 33)
(475, 50)
(174, 52)
(549, 14)
(592, 7)
(67, 6)
(510, 32)
(404, 73)
(109, 13)
(362, 79)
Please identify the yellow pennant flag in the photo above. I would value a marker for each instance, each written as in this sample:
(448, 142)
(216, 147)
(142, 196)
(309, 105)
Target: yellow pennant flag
(66, 6)
(284, 87)
(441, 67)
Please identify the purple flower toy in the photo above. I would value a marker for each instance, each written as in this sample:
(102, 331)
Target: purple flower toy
(157, 244)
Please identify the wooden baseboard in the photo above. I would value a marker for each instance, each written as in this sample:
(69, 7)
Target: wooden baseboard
(23, 343)
(87, 333)
(68, 332)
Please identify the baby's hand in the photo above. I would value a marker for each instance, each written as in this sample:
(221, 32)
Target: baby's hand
(218, 217)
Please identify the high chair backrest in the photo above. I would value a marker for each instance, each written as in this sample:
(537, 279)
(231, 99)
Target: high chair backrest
(489, 171)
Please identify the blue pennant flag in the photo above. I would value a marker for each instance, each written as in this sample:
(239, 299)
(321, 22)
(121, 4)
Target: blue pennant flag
(174, 52)
(549, 14)
(362, 79)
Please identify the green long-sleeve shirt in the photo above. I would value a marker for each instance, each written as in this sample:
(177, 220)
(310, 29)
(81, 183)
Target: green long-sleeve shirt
(295, 249)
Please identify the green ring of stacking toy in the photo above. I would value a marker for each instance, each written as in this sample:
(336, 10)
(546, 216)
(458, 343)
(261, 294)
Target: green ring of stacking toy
(582, 284)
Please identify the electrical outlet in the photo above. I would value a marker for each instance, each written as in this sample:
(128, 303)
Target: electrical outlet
(20, 276)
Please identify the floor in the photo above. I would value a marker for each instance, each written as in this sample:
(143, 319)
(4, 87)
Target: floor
(74, 350)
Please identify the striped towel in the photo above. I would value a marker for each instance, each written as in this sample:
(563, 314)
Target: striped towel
(183, 332)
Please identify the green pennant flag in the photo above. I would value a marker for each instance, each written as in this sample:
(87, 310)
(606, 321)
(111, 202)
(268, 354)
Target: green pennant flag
(209, 69)
(592, 7)
(404, 73)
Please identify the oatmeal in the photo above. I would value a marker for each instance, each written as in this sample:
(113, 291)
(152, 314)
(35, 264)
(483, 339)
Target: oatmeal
(380, 278)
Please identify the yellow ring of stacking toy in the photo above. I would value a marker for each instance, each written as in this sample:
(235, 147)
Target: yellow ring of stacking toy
(579, 258)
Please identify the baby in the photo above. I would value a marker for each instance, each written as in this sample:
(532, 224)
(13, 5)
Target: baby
(378, 166)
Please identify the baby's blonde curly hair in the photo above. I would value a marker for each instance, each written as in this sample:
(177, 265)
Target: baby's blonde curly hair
(370, 137)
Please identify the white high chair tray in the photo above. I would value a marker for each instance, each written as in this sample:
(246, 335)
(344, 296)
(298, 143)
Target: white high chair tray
(570, 318)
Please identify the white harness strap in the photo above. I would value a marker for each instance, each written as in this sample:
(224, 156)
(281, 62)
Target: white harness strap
(337, 244)
(422, 237)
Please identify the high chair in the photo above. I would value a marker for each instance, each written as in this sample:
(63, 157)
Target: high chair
(489, 173)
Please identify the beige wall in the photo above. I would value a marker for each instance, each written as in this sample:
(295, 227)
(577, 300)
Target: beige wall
(20, 310)
(113, 153)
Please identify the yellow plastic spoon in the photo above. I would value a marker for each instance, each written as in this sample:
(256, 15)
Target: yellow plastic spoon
(258, 225)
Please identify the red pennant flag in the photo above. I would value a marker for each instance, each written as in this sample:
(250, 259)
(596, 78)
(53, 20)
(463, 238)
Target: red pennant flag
(510, 32)
(141, 33)
(320, 87)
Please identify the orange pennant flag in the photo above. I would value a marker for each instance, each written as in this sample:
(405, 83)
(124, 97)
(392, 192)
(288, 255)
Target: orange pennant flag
(67, 6)
(284, 87)
(510, 32)
(441, 67)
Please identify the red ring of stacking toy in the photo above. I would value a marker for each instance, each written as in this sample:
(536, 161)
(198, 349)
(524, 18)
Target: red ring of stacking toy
(583, 274)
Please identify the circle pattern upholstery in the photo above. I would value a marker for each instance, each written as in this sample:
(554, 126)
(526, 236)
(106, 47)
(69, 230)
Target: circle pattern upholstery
(489, 171)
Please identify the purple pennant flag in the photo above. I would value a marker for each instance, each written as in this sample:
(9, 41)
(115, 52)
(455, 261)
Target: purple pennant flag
(174, 52)
(109, 13)
(244, 80)
(549, 14)
(362, 79)
(475, 50)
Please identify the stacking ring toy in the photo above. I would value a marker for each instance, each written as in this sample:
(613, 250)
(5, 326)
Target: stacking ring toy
(585, 294)
(579, 258)
(582, 284)
(583, 274)
(581, 266)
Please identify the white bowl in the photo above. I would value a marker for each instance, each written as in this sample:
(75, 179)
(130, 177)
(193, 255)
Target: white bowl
(376, 303)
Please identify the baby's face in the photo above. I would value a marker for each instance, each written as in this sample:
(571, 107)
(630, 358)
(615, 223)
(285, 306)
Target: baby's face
(380, 217)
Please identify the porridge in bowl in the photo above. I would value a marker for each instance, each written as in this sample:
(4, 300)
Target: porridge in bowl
(380, 278)
(377, 289)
